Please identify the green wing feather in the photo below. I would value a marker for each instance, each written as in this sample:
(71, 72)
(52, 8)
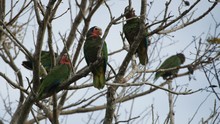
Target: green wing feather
(105, 55)
(45, 61)
(57, 75)
(170, 62)
(131, 29)
(91, 47)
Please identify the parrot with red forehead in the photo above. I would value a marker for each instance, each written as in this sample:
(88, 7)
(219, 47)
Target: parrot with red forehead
(131, 29)
(91, 47)
(55, 77)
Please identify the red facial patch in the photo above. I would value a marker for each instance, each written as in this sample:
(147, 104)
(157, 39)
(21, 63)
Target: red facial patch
(96, 32)
(64, 60)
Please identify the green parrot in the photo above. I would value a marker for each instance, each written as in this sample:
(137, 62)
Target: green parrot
(171, 62)
(131, 29)
(91, 47)
(45, 61)
(55, 77)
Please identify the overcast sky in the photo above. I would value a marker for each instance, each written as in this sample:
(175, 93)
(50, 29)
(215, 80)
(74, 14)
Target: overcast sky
(185, 106)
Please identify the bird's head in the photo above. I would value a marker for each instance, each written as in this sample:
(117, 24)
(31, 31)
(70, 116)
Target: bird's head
(65, 59)
(181, 57)
(95, 32)
(129, 12)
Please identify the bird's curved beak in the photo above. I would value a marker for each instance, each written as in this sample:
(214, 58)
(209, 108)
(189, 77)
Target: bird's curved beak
(100, 32)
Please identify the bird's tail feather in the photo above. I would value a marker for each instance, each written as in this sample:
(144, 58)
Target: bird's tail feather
(27, 65)
(143, 59)
(99, 81)
(142, 53)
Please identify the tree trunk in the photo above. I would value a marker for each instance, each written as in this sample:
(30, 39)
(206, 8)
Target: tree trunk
(170, 97)
(2, 16)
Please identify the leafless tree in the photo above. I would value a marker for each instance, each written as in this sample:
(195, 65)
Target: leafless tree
(27, 28)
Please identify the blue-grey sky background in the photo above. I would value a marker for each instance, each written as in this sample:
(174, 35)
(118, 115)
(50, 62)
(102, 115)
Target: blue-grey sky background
(185, 106)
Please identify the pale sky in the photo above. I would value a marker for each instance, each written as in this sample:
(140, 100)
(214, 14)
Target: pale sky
(185, 106)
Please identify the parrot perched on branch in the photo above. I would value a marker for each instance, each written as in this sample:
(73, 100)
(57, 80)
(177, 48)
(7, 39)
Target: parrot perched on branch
(55, 77)
(131, 29)
(45, 61)
(91, 47)
(171, 62)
